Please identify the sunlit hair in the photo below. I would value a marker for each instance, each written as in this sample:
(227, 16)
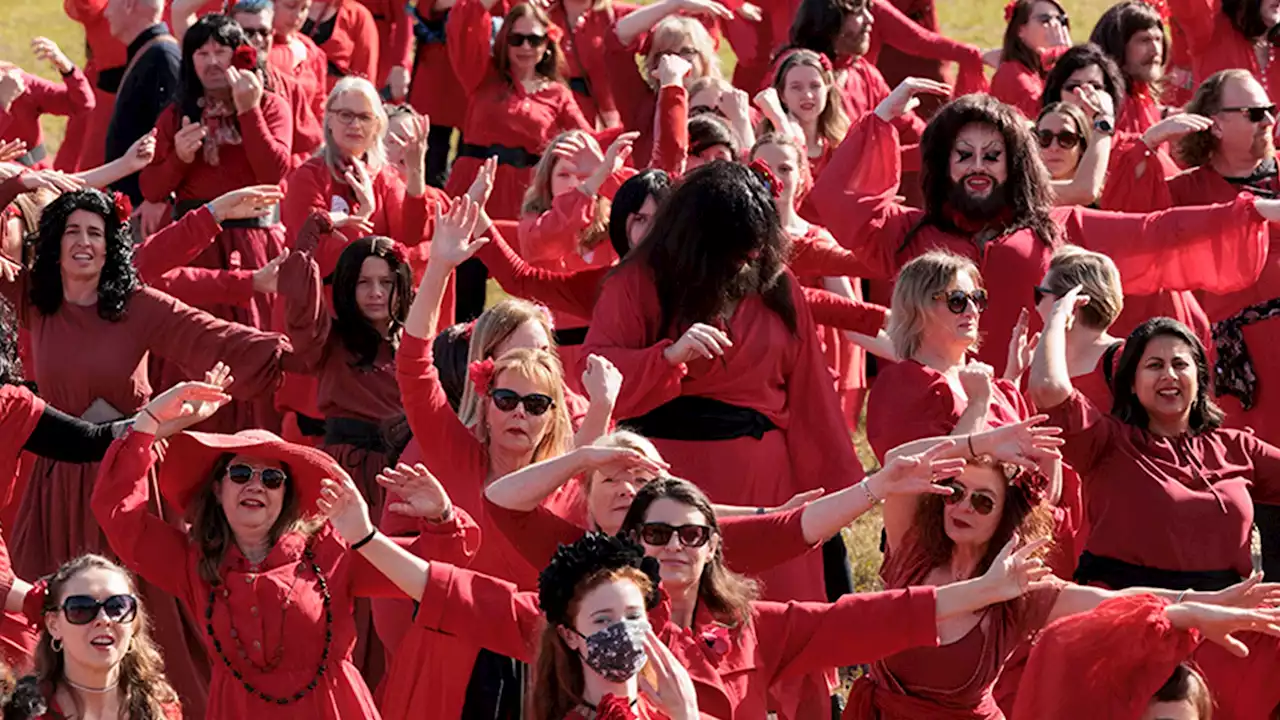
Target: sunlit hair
(678, 32)
(917, 283)
(1197, 148)
(621, 439)
(543, 368)
(375, 158)
(1080, 57)
(118, 280)
(557, 682)
(1187, 685)
(1246, 17)
(221, 30)
(144, 690)
(1014, 49)
(832, 121)
(1121, 22)
(357, 333)
(538, 198)
(1097, 274)
(1076, 117)
(650, 183)
(818, 23)
(550, 67)
(1027, 186)
(210, 532)
(724, 593)
(491, 328)
(798, 152)
(1206, 416)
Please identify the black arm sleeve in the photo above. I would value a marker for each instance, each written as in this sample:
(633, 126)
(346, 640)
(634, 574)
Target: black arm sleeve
(59, 436)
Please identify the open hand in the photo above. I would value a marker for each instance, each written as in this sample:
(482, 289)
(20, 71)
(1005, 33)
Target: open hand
(420, 494)
(246, 88)
(918, 474)
(904, 98)
(451, 243)
(700, 341)
(266, 279)
(48, 50)
(347, 510)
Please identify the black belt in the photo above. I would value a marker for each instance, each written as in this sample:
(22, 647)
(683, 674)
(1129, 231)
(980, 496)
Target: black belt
(359, 433)
(185, 206)
(513, 156)
(33, 156)
(580, 86)
(690, 417)
(109, 79)
(1118, 575)
(570, 336)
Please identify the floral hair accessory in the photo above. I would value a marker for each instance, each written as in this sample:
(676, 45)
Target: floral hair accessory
(1162, 7)
(123, 206)
(1009, 10)
(468, 329)
(824, 61)
(770, 181)
(245, 57)
(33, 604)
(481, 373)
(1034, 483)
(555, 33)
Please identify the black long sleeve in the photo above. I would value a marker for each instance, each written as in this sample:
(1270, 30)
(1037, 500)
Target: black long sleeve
(146, 91)
(59, 436)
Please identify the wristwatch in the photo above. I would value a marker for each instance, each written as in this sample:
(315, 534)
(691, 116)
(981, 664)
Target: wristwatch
(1103, 125)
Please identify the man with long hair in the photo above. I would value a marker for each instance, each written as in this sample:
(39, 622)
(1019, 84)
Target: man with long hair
(988, 197)
(1132, 33)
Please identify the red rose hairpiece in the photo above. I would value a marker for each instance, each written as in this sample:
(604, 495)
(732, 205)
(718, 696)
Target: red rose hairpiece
(1035, 484)
(33, 604)
(1162, 7)
(123, 206)
(555, 33)
(245, 58)
(481, 373)
(824, 61)
(770, 181)
(1009, 10)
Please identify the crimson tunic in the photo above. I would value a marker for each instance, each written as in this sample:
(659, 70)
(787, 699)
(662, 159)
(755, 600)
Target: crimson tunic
(351, 44)
(308, 130)
(20, 410)
(1215, 44)
(73, 98)
(1138, 112)
(435, 91)
(500, 112)
(308, 67)
(583, 45)
(1183, 249)
(84, 144)
(1018, 85)
(733, 674)
(283, 585)
(395, 37)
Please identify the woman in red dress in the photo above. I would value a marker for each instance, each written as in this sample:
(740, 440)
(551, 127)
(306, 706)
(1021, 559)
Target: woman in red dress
(96, 657)
(25, 98)
(1037, 32)
(297, 55)
(347, 33)
(86, 138)
(1223, 34)
(805, 89)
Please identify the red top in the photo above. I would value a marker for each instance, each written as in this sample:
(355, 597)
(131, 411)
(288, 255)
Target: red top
(910, 401)
(1138, 112)
(1018, 85)
(435, 91)
(102, 49)
(781, 641)
(895, 28)
(1208, 481)
(862, 88)
(298, 57)
(283, 586)
(583, 46)
(171, 712)
(1214, 44)
(352, 48)
(20, 410)
(1222, 246)
(395, 37)
(308, 128)
(72, 97)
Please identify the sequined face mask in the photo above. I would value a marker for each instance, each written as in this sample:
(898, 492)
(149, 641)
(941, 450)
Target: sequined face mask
(617, 652)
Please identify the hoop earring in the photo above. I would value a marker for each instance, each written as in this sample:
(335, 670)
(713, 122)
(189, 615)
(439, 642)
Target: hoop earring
(55, 644)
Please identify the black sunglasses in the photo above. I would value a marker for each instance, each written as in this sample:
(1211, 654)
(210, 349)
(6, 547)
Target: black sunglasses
(981, 502)
(958, 300)
(1255, 114)
(84, 609)
(659, 534)
(535, 40)
(1042, 292)
(534, 403)
(272, 478)
(1066, 139)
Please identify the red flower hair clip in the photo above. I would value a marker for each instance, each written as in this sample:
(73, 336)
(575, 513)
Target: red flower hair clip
(33, 604)
(1009, 10)
(824, 61)
(1034, 483)
(481, 374)
(123, 206)
(245, 57)
(765, 173)
(1162, 7)
(716, 638)
(555, 33)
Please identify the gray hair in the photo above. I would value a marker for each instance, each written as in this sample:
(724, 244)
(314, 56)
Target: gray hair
(376, 156)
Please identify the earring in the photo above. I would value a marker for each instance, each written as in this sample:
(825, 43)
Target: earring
(55, 644)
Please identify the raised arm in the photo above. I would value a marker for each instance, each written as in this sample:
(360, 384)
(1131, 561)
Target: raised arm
(468, 39)
(138, 156)
(573, 293)
(1049, 383)
(266, 126)
(641, 20)
(526, 489)
(307, 316)
(179, 243)
(1086, 187)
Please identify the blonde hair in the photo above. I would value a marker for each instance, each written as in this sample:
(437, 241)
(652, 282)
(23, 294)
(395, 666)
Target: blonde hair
(622, 439)
(538, 198)
(913, 291)
(670, 34)
(491, 328)
(543, 368)
(376, 156)
(1099, 278)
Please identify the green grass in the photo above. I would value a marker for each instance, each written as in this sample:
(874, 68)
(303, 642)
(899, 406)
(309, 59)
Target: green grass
(25, 19)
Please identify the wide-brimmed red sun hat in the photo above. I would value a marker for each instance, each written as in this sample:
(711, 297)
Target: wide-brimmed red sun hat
(191, 456)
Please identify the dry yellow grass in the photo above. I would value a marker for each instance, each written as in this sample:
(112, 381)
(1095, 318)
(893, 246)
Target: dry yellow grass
(25, 19)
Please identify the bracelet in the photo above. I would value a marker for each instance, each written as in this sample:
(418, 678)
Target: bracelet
(151, 415)
(866, 488)
(761, 511)
(367, 539)
(209, 206)
(445, 516)
(969, 439)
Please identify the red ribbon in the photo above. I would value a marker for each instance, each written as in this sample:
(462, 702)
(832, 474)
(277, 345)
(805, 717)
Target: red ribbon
(245, 58)
(762, 169)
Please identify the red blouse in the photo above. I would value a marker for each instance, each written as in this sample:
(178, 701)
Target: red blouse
(308, 128)
(352, 48)
(72, 97)
(583, 46)
(1215, 44)
(395, 37)
(1018, 85)
(309, 68)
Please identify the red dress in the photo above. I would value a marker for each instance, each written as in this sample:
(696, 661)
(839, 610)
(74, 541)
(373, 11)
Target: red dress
(308, 128)
(1214, 44)
(73, 98)
(20, 410)
(84, 144)
(1138, 112)
(435, 91)
(299, 57)
(284, 585)
(349, 40)
(584, 53)
(395, 37)
(500, 113)
(1222, 246)
(1020, 86)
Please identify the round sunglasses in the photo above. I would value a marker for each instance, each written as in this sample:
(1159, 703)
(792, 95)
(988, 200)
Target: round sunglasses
(272, 478)
(958, 300)
(659, 534)
(1067, 140)
(534, 403)
(981, 501)
(84, 609)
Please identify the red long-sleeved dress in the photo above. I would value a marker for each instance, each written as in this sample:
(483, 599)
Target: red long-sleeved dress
(1214, 44)
(20, 410)
(1223, 246)
(1020, 86)
(584, 53)
(395, 37)
(72, 98)
(308, 128)
(349, 40)
(436, 91)
(299, 57)
(85, 142)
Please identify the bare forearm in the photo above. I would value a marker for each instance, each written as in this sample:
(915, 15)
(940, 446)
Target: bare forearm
(524, 490)
(965, 597)
(1050, 380)
(825, 517)
(425, 311)
(641, 20)
(595, 424)
(406, 570)
(104, 175)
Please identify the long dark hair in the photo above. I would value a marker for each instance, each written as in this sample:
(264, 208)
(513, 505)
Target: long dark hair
(716, 238)
(118, 281)
(359, 335)
(552, 64)
(1121, 22)
(726, 594)
(1014, 49)
(10, 363)
(1246, 17)
(1027, 187)
(817, 24)
(629, 199)
(222, 30)
(1077, 58)
(1205, 414)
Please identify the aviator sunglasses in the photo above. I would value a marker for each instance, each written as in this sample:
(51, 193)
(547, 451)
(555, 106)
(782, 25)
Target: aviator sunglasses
(981, 502)
(659, 534)
(534, 403)
(1255, 114)
(83, 609)
(958, 300)
(272, 478)
(1067, 140)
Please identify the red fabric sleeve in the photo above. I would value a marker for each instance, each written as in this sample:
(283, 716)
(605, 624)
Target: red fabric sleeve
(267, 131)
(838, 312)
(20, 410)
(306, 317)
(814, 257)
(204, 287)
(570, 117)
(467, 37)
(756, 543)
(906, 405)
(10, 189)
(1019, 86)
(1195, 19)
(488, 612)
(536, 534)
(401, 38)
(803, 637)
(175, 244)
(855, 196)
(1089, 433)
(448, 448)
(146, 544)
(359, 25)
(1266, 469)
(166, 170)
(545, 239)
(572, 293)
(901, 32)
(1129, 191)
(631, 93)
(1216, 248)
(74, 96)
(671, 146)
(1106, 663)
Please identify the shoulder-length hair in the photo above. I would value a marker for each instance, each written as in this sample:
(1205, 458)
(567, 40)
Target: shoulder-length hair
(717, 222)
(1077, 58)
(1121, 22)
(649, 183)
(218, 28)
(212, 535)
(538, 197)
(1246, 17)
(1014, 49)
(1206, 416)
(675, 32)
(375, 158)
(144, 689)
(1099, 277)
(359, 335)
(552, 64)
(917, 283)
(118, 280)
(726, 594)
(1077, 117)
(817, 24)
(832, 123)
(1197, 148)
(543, 368)
(489, 330)
(1030, 193)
